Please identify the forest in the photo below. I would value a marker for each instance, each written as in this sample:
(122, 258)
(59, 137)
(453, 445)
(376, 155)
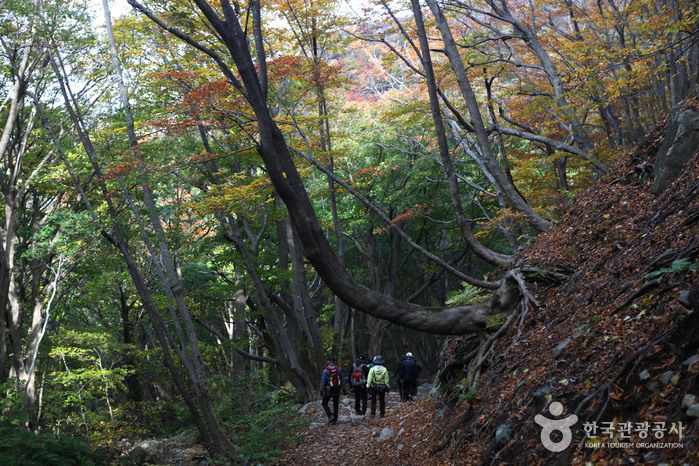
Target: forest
(204, 199)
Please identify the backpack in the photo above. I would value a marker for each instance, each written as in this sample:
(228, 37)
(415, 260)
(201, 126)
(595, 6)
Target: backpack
(358, 379)
(380, 387)
(333, 382)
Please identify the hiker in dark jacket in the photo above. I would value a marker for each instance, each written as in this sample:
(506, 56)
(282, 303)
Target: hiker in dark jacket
(397, 377)
(408, 373)
(358, 377)
(330, 388)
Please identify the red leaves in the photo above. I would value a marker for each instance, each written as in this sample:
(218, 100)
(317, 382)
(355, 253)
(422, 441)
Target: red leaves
(416, 211)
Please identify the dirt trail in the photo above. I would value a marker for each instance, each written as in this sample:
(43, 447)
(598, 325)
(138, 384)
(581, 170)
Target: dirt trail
(356, 439)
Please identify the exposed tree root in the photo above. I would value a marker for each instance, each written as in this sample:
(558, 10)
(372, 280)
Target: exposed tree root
(639, 292)
(473, 361)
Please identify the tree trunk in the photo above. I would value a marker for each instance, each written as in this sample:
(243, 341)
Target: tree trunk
(467, 235)
(286, 341)
(476, 119)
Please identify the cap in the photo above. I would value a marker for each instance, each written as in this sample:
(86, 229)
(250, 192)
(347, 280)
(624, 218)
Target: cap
(408, 355)
(378, 360)
(331, 358)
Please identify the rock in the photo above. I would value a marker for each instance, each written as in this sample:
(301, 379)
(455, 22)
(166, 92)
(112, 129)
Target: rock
(313, 405)
(386, 434)
(693, 411)
(539, 397)
(644, 375)
(665, 378)
(681, 142)
(654, 386)
(570, 287)
(683, 298)
(138, 455)
(399, 447)
(440, 414)
(375, 431)
(503, 434)
(690, 360)
(561, 346)
(688, 400)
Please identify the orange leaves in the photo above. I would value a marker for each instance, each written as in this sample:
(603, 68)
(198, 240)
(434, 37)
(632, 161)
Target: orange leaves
(124, 164)
(120, 169)
(304, 72)
(287, 66)
(419, 209)
(369, 172)
(416, 211)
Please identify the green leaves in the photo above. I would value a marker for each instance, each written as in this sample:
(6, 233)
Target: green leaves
(468, 294)
(678, 266)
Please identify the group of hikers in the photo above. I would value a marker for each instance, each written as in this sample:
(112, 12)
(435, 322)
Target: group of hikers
(368, 381)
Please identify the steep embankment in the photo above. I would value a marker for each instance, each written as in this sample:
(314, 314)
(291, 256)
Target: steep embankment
(616, 343)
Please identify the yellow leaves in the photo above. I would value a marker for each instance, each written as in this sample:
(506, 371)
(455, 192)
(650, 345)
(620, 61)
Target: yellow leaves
(506, 217)
(241, 194)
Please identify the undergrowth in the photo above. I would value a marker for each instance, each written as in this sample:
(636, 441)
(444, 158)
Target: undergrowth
(267, 430)
(22, 447)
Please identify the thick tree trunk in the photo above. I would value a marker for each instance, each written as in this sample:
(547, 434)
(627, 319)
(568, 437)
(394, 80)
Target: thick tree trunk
(128, 327)
(307, 314)
(9, 176)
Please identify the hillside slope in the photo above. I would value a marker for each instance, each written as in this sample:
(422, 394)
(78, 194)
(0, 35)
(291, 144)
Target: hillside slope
(615, 343)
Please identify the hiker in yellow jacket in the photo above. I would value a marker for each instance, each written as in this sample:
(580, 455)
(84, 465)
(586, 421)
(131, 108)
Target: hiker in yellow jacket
(378, 380)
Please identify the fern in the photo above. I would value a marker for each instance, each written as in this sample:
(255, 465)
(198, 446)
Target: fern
(678, 266)
(469, 294)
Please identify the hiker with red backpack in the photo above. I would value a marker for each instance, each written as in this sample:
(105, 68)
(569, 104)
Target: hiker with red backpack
(358, 378)
(331, 388)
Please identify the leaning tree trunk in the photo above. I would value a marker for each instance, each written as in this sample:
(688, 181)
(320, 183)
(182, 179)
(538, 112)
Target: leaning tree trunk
(281, 169)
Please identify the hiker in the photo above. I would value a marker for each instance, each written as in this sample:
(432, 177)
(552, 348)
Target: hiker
(370, 391)
(408, 373)
(358, 378)
(331, 387)
(378, 380)
(397, 377)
